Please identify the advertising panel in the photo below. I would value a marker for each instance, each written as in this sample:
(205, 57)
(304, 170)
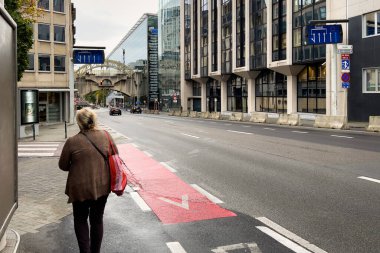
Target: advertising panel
(88, 56)
(8, 122)
(29, 107)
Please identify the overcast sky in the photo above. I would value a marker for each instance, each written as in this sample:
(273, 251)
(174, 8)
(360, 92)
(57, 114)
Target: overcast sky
(106, 22)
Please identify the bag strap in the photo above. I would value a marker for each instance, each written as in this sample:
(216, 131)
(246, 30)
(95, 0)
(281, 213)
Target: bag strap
(93, 144)
(110, 142)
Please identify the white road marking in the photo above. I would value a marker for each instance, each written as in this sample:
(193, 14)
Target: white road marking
(341, 136)
(38, 145)
(184, 204)
(227, 124)
(37, 149)
(192, 136)
(283, 240)
(238, 132)
(147, 153)
(175, 247)
(140, 202)
(168, 167)
(370, 179)
(135, 145)
(207, 194)
(290, 235)
(252, 246)
(245, 126)
(35, 154)
(122, 135)
(271, 129)
(300, 132)
(193, 152)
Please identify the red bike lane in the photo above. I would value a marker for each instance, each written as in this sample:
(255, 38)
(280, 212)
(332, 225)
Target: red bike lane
(170, 198)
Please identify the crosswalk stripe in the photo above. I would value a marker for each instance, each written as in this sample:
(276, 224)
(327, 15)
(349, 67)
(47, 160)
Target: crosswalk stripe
(35, 154)
(37, 149)
(38, 145)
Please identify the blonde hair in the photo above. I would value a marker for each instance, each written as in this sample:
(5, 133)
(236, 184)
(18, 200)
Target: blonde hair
(86, 119)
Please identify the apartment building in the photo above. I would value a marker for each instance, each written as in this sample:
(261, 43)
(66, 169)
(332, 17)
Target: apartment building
(253, 56)
(50, 69)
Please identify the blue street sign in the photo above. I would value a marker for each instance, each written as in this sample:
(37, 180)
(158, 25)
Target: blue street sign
(345, 64)
(88, 56)
(325, 34)
(346, 85)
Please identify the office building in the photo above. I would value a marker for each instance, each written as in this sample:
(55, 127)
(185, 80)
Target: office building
(254, 56)
(50, 61)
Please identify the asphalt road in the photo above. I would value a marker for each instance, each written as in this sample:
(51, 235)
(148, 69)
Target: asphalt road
(318, 184)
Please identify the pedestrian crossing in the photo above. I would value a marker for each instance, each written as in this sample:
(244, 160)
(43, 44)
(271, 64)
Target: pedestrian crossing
(39, 149)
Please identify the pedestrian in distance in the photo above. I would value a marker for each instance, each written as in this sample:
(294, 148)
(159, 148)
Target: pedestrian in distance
(88, 181)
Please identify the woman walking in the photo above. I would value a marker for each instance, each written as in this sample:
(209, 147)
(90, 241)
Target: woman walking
(88, 181)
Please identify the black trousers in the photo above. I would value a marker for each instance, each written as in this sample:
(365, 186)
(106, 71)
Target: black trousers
(89, 241)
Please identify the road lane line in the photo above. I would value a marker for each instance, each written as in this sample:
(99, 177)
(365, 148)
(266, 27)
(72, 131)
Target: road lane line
(192, 136)
(238, 132)
(140, 202)
(168, 167)
(175, 247)
(207, 194)
(35, 154)
(246, 126)
(341, 136)
(227, 124)
(268, 128)
(38, 145)
(283, 240)
(291, 235)
(37, 149)
(300, 132)
(135, 145)
(370, 179)
(147, 153)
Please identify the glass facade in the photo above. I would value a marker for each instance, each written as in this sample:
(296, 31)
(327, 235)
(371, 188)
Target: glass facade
(213, 95)
(240, 33)
(169, 53)
(226, 36)
(303, 12)
(237, 94)
(204, 38)
(258, 35)
(214, 35)
(187, 39)
(195, 37)
(271, 92)
(278, 30)
(311, 89)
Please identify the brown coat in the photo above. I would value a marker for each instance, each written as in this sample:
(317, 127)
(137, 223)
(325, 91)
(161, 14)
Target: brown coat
(89, 176)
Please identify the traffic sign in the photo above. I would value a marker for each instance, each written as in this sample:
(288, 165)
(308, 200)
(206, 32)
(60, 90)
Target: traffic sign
(345, 77)
(88, 56)
(345, 65)
(345, 49)
(346, 85)
(325, 34)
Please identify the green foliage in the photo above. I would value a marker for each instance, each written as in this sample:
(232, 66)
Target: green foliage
(23, 16)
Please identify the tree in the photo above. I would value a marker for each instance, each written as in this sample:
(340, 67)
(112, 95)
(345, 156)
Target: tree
(24, 13)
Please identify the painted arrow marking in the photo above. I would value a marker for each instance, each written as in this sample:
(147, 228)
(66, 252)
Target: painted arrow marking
(253, 248)
(184, 204)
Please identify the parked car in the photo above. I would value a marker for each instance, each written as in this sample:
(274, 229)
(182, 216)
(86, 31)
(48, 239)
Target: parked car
(136, 109)
(115, 110)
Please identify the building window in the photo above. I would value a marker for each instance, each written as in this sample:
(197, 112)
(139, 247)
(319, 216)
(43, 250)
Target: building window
(30, 62)
(311, 89)
(214, 35)
(371, 23)
(59, 63)
(279, 30)
(226, 36)
(44, 32)
(197, 90)
(271, 92)
(213, 100)
(204, 38)
(195, 38)
(43, 4)
(371, 80)
(237, 94)
(59, 33)
(44, 62)
(59, 5)
(258, 29)
(240, 33)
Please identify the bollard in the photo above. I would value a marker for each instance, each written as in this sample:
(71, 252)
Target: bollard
(65, 130)
(34, 132)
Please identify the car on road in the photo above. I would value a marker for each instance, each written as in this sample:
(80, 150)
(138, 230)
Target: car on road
(136, 109)
(115, 110)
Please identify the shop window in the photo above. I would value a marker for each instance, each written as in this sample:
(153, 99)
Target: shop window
(371, 80)
(44, 32)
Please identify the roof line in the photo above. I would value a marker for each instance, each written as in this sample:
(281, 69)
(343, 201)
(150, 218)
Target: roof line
(143, 17)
